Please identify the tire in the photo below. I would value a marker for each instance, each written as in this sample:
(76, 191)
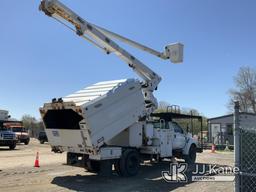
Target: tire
(117, 167)
(12, 146)
(26, 142)
(129, 163)
(93, 166)
(71, 158)
(190, 159)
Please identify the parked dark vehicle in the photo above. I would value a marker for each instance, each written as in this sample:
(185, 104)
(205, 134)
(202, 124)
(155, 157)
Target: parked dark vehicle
(42, 137)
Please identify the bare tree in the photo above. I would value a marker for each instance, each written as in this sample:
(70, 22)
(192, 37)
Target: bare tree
(162, 106)
(245, 91)
(32, 124)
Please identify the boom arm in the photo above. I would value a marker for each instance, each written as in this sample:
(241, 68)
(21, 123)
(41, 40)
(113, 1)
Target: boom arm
(131, 42)
(102, 38)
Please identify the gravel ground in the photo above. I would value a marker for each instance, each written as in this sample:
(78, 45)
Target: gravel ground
(18, 174)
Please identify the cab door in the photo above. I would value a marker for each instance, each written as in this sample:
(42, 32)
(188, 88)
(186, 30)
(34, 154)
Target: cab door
(179, 140)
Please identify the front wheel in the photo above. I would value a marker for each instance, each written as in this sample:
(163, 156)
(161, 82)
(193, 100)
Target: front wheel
(12, 146)
(190, 159)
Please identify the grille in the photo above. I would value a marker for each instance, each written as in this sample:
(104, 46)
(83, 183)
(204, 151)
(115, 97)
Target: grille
(8, 136)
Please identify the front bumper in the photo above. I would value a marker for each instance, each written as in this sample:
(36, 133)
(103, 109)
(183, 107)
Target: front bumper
(7, 142)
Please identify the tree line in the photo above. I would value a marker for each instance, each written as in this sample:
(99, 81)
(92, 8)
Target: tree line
(245, 90)
(192, 125)
(33, 125)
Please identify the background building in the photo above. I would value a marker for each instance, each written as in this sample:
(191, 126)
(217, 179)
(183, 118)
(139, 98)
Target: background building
(220, 129)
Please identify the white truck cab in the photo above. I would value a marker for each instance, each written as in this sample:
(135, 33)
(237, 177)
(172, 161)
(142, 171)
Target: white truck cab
(169, 139)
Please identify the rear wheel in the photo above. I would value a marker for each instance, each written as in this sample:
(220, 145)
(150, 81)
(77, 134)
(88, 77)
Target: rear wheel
(129, 163)
(26, 142)
(93, 166)
(117, 167)
(71, 158)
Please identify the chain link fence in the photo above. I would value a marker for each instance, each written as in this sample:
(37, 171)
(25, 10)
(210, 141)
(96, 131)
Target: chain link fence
(245, 152)
(247, 159)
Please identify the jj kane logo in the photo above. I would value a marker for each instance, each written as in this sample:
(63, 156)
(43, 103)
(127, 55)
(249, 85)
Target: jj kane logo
(176, 173)
(203, 172)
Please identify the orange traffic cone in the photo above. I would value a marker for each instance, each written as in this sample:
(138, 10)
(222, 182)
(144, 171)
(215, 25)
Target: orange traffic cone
(213, 148)
(37, 160)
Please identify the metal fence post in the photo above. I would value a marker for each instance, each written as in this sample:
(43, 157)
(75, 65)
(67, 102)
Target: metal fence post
(237, 145)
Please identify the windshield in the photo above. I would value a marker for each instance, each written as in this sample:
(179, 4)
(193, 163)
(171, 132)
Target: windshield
(42, 133)
(17, 129)
(3, 129)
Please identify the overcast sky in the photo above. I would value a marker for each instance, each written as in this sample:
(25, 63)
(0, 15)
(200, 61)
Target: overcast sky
(41, 59)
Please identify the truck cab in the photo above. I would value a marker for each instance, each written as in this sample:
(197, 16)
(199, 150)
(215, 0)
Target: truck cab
(19, 130)
(183, 137)
(166, 138)
(7, 138)
(179, 135)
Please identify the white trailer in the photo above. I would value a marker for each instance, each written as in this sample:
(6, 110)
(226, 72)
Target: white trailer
(4, 114)
(109, 122)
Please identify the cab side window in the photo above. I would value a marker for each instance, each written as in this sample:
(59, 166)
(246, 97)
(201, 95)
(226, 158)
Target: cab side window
(178, 129)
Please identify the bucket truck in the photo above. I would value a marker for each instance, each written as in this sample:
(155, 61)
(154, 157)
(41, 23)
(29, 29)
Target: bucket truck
(109, 123)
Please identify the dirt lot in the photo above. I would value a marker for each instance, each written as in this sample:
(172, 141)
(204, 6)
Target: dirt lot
(18, 174)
